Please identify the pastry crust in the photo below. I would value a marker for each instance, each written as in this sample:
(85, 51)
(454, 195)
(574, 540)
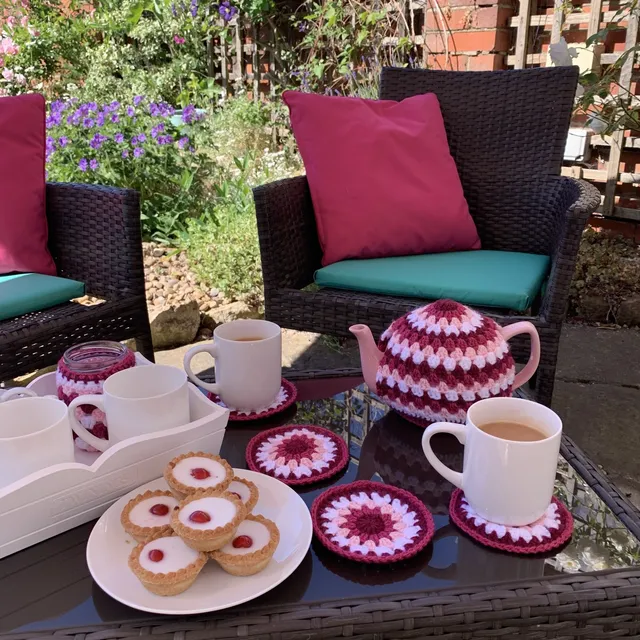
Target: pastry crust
(253, 498)
(181, 490)
(208, 539)
(165, 584)
(138, 533)
(247, 564)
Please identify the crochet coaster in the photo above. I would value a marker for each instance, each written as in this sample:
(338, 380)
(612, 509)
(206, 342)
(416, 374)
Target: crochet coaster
(285, 398)
(549, 532)
(371, 522)
(297, 454)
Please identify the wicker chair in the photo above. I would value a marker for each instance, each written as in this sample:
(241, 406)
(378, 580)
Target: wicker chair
(94, 237)
(506, 131)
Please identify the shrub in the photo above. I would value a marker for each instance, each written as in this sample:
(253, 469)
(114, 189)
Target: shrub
(145, 146)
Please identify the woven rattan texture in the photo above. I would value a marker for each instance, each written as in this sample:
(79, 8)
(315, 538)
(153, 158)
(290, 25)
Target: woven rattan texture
(506, 132)
(94, 237)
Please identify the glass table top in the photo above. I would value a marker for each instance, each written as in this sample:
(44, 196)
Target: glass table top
(48, 585)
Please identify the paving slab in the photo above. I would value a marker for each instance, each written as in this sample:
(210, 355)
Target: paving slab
(599, 355)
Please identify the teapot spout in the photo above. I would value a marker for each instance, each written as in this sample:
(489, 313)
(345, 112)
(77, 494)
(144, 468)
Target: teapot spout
(370, 355)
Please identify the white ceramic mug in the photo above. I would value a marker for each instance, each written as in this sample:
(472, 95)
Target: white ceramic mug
(137, 401)
(248, 374)
(507, 482)
(34, 434)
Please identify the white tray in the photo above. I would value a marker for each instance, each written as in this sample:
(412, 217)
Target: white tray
(64, 496)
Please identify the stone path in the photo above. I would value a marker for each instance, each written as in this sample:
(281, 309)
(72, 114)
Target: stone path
(597, 389)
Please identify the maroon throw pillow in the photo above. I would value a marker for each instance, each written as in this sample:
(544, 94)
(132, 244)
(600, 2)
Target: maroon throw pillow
(23, 220)
(382, 179)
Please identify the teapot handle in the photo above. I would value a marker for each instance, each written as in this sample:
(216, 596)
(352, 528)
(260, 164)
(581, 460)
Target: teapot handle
(534, 359)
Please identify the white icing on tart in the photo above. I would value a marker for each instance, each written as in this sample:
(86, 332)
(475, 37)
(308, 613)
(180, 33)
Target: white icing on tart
(241, 489)
(182, 472)
(141, 515)
(258, 533)
(177, 555)
(220, 510)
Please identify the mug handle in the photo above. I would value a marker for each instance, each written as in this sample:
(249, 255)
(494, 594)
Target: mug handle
(17, 392)
(534, 359)
(460, 432)
(81, 432)
(212, 350)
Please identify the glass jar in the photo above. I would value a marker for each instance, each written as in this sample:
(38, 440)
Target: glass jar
(82, 370)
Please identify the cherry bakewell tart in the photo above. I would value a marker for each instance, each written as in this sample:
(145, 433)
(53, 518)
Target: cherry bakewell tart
(246, 491)
(194, 471)
(206, 520)
(147, 514)
(165, 565)
(251, 549)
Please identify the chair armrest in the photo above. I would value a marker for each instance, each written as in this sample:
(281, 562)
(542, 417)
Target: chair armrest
(94, 237)
(572, 202)
(289, 245)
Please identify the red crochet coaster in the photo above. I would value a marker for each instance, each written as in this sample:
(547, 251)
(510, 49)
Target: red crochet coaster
(285, 398)
(297, 454)
(549, 532)
(371, 522)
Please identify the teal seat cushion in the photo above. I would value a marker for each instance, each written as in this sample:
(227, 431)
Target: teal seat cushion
(26, 292)
(504, 279)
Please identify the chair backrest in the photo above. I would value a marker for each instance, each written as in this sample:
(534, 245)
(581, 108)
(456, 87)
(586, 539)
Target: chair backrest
(507, 132)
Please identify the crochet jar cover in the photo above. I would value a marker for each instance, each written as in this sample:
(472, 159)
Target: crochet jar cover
(440, 359)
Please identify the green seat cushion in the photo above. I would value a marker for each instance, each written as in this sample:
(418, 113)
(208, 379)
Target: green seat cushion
(26, 292)
(503, 279)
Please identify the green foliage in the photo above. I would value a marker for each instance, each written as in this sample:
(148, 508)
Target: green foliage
(144, 146)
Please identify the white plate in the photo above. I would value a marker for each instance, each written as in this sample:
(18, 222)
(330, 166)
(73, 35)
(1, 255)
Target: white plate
(109, 547)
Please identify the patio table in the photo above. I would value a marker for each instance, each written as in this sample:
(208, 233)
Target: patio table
(453, 589)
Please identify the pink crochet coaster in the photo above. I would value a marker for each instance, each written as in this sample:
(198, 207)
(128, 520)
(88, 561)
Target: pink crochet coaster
(549, 532)
(371, 522)
(285, 398)
(297, 454)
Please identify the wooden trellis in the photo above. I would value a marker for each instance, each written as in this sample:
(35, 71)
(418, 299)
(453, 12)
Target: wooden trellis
(525, 22)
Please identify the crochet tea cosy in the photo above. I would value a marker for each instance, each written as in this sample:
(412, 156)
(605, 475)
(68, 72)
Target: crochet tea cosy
(440, 359)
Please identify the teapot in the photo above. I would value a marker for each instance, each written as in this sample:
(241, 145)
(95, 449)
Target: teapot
(432, 364)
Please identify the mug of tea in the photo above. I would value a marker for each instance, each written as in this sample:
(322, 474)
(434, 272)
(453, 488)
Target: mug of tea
(34, 434)
(511, 449)
(136, 401)
(248, 361)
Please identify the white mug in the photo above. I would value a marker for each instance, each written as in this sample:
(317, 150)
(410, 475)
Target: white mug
(137, 401)
(505, 481)
(248, 372)
(34, 434)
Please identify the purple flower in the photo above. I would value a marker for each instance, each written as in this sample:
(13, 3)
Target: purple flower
(100, 119)
(97, 141)
(157, 130)
(57, 105)
(131, 112)
(178, 39)
(115, 118)
(138, 151)
(161, 140)
(188, 114)
(194, 8)
(173, 10)
(63, 142)
(125, 153)
(183, 142)
(142, 137)
(83, 165)
(94, 164)
(92, 106)
(87, 123)
(119, 138)
(53, 120)
(137, 100)
(227, 10)
(303, 27)
(134, 141)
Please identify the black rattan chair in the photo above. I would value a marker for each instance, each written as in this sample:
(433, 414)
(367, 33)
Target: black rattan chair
(506, 131)
(94, 237)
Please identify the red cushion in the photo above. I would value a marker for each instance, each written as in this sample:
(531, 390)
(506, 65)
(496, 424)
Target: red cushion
(382, 180)
(23, 221)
